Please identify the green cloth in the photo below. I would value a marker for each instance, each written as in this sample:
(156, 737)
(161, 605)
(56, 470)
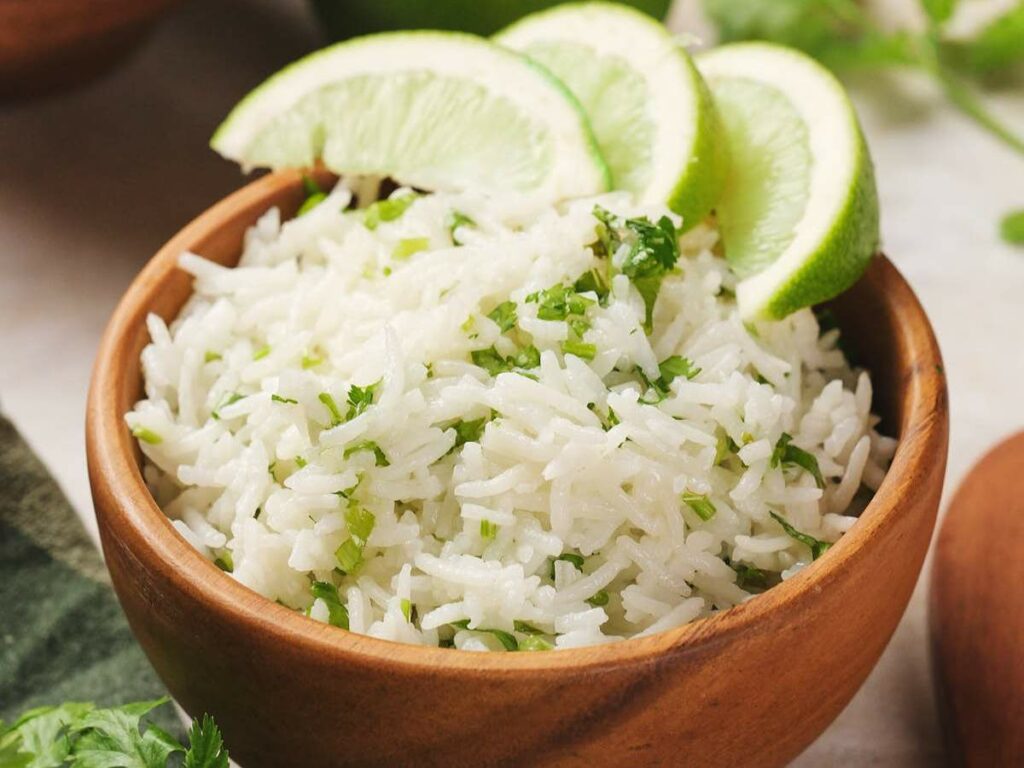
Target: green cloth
(63, 636)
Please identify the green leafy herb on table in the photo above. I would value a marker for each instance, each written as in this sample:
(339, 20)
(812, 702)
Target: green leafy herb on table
(844, 36)
(85, 736)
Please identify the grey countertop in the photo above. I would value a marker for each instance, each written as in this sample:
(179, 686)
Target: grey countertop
(92, 183)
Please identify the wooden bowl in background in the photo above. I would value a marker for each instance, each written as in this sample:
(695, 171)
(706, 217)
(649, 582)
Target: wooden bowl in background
(47, 45)
(753, 685)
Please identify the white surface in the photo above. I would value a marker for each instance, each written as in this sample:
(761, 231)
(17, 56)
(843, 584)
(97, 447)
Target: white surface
(92, 183)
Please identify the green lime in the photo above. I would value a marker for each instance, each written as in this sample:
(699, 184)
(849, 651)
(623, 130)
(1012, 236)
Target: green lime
(436, 110)
(651, 112)
(348, 18)
(799, 213)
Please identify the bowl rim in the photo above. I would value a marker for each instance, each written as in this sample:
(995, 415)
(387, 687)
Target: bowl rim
(116, 479)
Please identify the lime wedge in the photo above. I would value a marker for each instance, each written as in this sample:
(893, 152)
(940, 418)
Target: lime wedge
(436, 110)
(799, 214)
(651, 112)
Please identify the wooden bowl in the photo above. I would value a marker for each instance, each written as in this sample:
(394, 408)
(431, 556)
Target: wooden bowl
(47, 45)
(753, 685)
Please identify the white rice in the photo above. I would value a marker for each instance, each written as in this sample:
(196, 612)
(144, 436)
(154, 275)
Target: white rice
(266, 484)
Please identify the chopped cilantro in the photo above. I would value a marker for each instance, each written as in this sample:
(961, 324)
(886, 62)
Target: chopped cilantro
(406, 606)
(283, 400)
(569, 557)
(361, 398)
(527, 629)
(311, 360)
(229, 399)
(817, 547)
(314, 196)
(147, 435)
(700, 504)
(534, 643)
(607, 422)
(504, 315)
(262, 352)
(652, 250)
(211, 357)
(407, 246)
(225, 562)
(458, 219)
(468, 431)
(386, 210)
(494, 363)
(349, 555)
(300, 462)
(328, 400)
(559, 302)
(1011, 228)
(787, 454)
(580, 349)
(675, 366)
(507, 639)
(593, 280)
(598, 599)
(488, 530)
(369, 445)
(336, 611)
(748, 576)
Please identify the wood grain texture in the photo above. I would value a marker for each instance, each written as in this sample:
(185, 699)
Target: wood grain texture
(753, 685)
(46, 45)
(977, 612)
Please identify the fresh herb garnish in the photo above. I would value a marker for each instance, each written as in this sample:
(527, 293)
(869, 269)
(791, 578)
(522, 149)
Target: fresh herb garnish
(581, 349)
(535, 643)
(458, 219)
(652, 251)
(211, 356)
(672, 367)
(386, 210)
(337, 613)
(225, 562)
(229, 399)
(262, 352)
(468, 431)
(328, 400)
(817, 547)
(700, 504)
(593, 280)
(598, 599)
(380, 458)
(80, 734)
(360, 522)
(360, 398)
(748, 576)
(568, 557)
(283, 400)
(311, 360)
(507, 639)
(406, 606)
(787, 454)
(147, 435)
(504, 315)
(488, 530)
(407, 246)
(314, 195)
(494, 362)
(559, 302)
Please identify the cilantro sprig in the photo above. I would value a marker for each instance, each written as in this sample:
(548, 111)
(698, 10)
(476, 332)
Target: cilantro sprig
(84, 735)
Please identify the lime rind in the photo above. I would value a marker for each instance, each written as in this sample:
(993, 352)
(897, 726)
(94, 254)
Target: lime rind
(424, 90)
(837, 233)
(674, 134)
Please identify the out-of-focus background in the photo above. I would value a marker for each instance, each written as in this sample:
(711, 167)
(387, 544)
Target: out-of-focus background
(93, 181)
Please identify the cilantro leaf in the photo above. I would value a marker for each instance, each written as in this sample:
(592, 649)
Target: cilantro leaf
(650, 252)
(700, 504)
(504, 315)
(748, 576)
(468, 431)
(386, 210)
(507, 639)
(106, 738)
(581, 349)
(494, 363)
(206, 745)
(361, 398)
(336, 611)
(314, 195)
(817, 547)
(674, 366)
(456, 220)
(785, 453)
(408, 246)
(369, 445)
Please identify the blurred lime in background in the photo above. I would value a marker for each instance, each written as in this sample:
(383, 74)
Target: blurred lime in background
(348, 18)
